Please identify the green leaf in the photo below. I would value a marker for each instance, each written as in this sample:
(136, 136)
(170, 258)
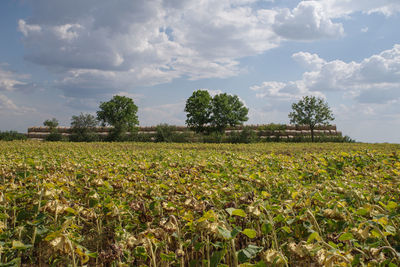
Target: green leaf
(266, 228)
(286, 229)
(224, 232)
(140, 252)
(391, 205)
(333, 244)
(235, 232)
(346, 237)
(19, 245)
(279, 218)
(168, 257)
(236, 212)
(390, 229)
(313, 236)
(216, 258)
(248, 253)
(71, 210)
(376, 233)
(250, 233)
(356, 260)
(230, 210)
(362, 212)
(14, 263)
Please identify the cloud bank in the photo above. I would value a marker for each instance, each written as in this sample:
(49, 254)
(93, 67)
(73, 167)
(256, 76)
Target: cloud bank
(98, 46)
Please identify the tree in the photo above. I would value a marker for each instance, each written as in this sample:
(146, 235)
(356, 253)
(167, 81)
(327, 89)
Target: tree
(54, 134)
(53, 123)
(82, 128)
(311, 111)
(227, 110)
(119, 112)
(218, 112)
(198, 109)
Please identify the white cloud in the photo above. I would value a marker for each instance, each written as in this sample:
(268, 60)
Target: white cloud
(309, 61)
(341, 8)
(11, 81)
(97, 46)
(307, 21)
(365, 29)
(374, 79)
(369, 89)
(7, 106)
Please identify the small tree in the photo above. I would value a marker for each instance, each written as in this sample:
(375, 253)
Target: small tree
(198, 109)
(311, 111)
(82, 128)
(119, 112)
(54, 134)
(227, 110)
(53, 123)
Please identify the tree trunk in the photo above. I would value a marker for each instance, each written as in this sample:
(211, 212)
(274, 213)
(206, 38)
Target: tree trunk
(312, 133)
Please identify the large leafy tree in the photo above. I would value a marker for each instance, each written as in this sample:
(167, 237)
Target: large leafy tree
(227, 110)
(82, 127)
(218, 112)
(119, 112)
(311, 111)
(198, 109)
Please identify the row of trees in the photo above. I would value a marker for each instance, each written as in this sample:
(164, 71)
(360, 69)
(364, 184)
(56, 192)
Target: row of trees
(205, 115)
(120, 113)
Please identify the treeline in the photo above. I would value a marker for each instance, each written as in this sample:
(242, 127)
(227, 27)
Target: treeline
(208, 120)
(180, 134)
(12, 135)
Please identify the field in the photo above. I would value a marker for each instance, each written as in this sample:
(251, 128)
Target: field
(133, 204)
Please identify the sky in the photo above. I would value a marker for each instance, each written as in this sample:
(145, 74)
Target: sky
(60, 58)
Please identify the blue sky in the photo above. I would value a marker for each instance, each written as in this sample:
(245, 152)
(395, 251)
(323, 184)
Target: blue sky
(60, 58)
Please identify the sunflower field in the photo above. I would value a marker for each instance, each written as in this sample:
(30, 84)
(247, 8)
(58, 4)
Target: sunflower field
(146, 204)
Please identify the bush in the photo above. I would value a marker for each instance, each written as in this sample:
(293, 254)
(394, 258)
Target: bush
(83, 136)
(169, 133)
(141, 137)
(322, 139)
(272, 127)
(12, 135)
(213, 137)
(246, 135)
(54, 136)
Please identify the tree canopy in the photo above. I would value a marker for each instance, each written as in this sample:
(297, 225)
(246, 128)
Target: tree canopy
(227, 110)
(53, 123)
(311, 111)
(216, 113)
(198, 109)
(119, 112)
(82, 127)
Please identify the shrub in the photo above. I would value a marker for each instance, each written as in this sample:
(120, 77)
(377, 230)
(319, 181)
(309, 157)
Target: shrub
(83, 128)
(213, 137)
(169, 133)
(12, 135)
(54, 136)
(246, 135)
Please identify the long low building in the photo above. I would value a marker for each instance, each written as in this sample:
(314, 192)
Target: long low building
(272, 131)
